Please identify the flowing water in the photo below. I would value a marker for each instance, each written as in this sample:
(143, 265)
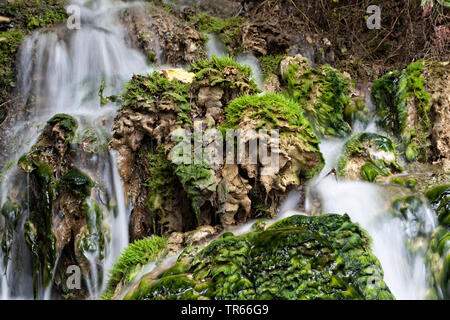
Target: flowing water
(61, 71)
(368, 204)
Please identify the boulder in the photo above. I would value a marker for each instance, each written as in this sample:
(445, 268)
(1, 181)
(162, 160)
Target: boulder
(413, 104)
(301, 257)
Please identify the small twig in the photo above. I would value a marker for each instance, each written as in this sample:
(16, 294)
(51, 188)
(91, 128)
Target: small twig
(333, 172)
(389, 33)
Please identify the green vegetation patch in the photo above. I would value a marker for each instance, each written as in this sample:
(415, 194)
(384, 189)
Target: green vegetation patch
(225, 72)
(301, 257)
(135, 256)
(228, 30)
(377, 152)
(439, 198)
(391, 94)
(77, 181)
(143, 91)
(270, 64)
(323, 93)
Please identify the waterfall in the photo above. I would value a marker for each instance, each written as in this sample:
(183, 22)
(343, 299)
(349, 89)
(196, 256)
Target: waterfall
(61, 71)
(368, 204)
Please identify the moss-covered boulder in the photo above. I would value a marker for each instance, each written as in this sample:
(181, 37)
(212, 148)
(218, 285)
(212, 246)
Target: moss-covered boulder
(301, 257)
(162, 119)
(439, 198)
(367, 156)
(61, 225)
(323, 93)
(414, 105)
(438, 259)
(438, 255)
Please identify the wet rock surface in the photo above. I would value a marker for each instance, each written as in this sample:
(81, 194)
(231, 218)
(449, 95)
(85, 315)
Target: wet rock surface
(164, 38)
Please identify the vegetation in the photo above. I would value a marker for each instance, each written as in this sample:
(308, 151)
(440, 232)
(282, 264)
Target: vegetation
(278, 263)
(228, 30)
(323, 94)
(395, 94)
(144, 90)
(272, 111)
(372, 154)
(270, 64)
(134, 257)
(225, 72)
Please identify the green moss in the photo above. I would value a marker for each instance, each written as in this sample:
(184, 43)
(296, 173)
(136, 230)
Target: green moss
(270, 64)
(370, 170)
(405, 182)
(270, 109)
(301, 257)
(77, 181)
(274, 111)
(366, 146)
(438, 260)
(32, 14)
(356, 110)
(323, 94)
(391, 94)
(439, 198)
(68, 123)
(228, 30)
(145, 90)
(9, 44)
(139, 253)
(218, 71)
(198, 181)
(11, 212)
(162, 180)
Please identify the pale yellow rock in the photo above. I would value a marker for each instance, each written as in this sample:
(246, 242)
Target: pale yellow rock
(4, 19)
(179, 74)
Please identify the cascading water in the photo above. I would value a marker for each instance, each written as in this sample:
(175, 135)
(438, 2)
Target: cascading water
(405, 272)
(61, 71)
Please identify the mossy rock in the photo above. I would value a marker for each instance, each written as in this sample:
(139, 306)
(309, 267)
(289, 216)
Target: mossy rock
(301, 257)
(403, 104)
(270, 64)
(11, 211)
(143, 91)
(273, 111)
(323, 93)
(367, 156)
(438, 259)
(438, 255)
(224, 72)
(439, 198)
(228, 30)
(77, 181)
